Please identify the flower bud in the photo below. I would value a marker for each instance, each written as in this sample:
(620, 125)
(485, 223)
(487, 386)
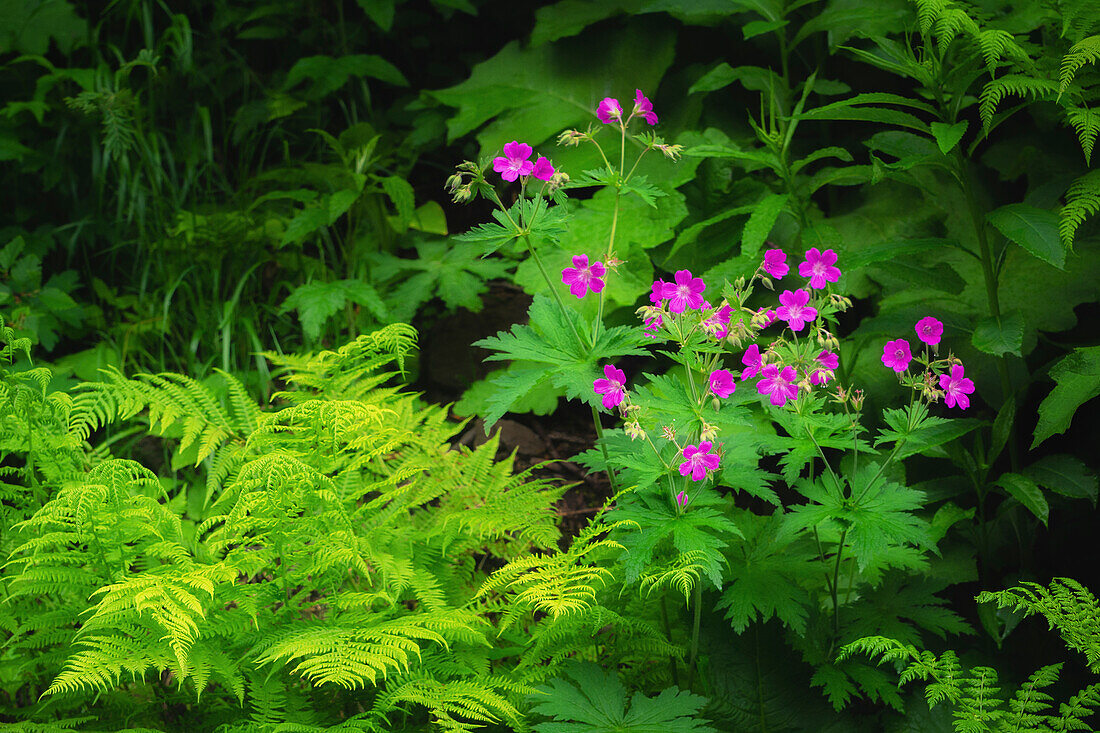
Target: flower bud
(668, 433)
(766, 282)
(634, 430)
(710, 432)
(558, 180)
(572, 137)
(857, 399)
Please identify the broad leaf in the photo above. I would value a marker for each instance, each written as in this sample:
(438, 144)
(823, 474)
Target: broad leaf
(1034, 229)
(948, 136)
(1025, 491)
(997, 336)
(1076, 381)
(1065, 475)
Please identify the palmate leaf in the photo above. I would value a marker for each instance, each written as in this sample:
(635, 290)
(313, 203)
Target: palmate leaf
(766, 575)
(596, 702)
(550, 341)
(876, 512)
(1076, 381)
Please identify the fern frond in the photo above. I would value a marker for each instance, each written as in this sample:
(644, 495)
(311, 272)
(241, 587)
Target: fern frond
(1012, 84)
(1085, 51)
(1086, 123)
(682, 573)
(1082, 201)
(928, 12)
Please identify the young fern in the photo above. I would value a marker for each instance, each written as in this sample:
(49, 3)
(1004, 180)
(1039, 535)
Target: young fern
(974, 695)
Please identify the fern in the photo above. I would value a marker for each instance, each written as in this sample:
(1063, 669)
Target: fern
(1082, 201)
(1019, 85)
(1086, 123)
(1085, 51)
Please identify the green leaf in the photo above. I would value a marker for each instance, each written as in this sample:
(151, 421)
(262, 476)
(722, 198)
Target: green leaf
(928, 431)
(948, 136)
(401, 195)
(306, 222)
(1076, 381)
(1002, 428)
(997, 336)
(758, 27)
(328, 73)
(379, 11)
(316, 302)
(760, 223)
(429, 218)
(538, 91)
(1026, 492)
(1065, 475)
(597, 703)
(570, 17)
(1034, 229)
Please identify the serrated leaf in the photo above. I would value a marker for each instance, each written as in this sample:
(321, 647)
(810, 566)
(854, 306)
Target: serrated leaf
(401, 195)
(997, 336)
(948, 136)
(758, 27)
(760, 223)
(1065, 475)
(1076, 381)
(1025, 491)
(1002, 428)
(1034, 229)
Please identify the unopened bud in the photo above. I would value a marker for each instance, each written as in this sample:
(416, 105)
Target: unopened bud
(673, 152)
(766, 282)
(572, 137)
(634, 430)
(668, 433)
(710, 432)
(857, 399)
(558, 180)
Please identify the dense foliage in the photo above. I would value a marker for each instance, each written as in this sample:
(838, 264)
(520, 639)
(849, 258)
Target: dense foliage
(821, 273)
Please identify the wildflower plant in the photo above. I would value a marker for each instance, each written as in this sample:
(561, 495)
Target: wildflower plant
(689, 450)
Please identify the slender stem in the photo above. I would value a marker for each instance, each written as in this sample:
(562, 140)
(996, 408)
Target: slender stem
(836, 581)
(603, 449)
(668, 635)
(554, 291)
(698, 598)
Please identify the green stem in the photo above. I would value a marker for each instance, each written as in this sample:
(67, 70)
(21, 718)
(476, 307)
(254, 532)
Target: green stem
(554, 292)
(668, 635)
(603, 449)
(697, 596)
(835, 589)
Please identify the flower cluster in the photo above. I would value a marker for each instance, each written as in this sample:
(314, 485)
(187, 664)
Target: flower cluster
(609, 110)
(954, 386)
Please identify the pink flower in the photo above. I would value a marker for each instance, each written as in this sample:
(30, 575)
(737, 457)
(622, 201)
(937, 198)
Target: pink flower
(896, 355)
(583, 277)
(721, 383)
(514, 163)
(956, 388)
(929, 330)
(613, 387)
(753, 362)
(682, 499)
(609, 111)
(828, 361)
(818, 266)
(699, 461)
(794, 309)
(656, 295)
(775, 263)
(686, 292)
(543, 170)
(643, 107)
(780, 385)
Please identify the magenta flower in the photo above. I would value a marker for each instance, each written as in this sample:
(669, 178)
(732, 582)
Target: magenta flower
(612, 387)
(721, 383)
(779, 384)
(643, 107)
(929, 330)
(543, 170)
(583, 277)
(753, 362)
(775, 263)
(956, 387)
(609, 111)
(682, 499)
(818, 266)
(699, 461)
(828, 361)
(514, 163)
(769, 316)
(656, 295)
(896, 355)
(686, 292)
(794, 309)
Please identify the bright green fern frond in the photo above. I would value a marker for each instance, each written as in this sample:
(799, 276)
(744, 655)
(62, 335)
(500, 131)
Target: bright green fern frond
(681, 574)
(101, 664)
(1066, 605)
(246, 413)
(996, 44)
(1082, 201)
(351, 656)
(928, 12)
(1028, 707)
(12, 344)
(1086, 123)
(950, 23)
(477, 701)
(1085, 51)
(1012, 84)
